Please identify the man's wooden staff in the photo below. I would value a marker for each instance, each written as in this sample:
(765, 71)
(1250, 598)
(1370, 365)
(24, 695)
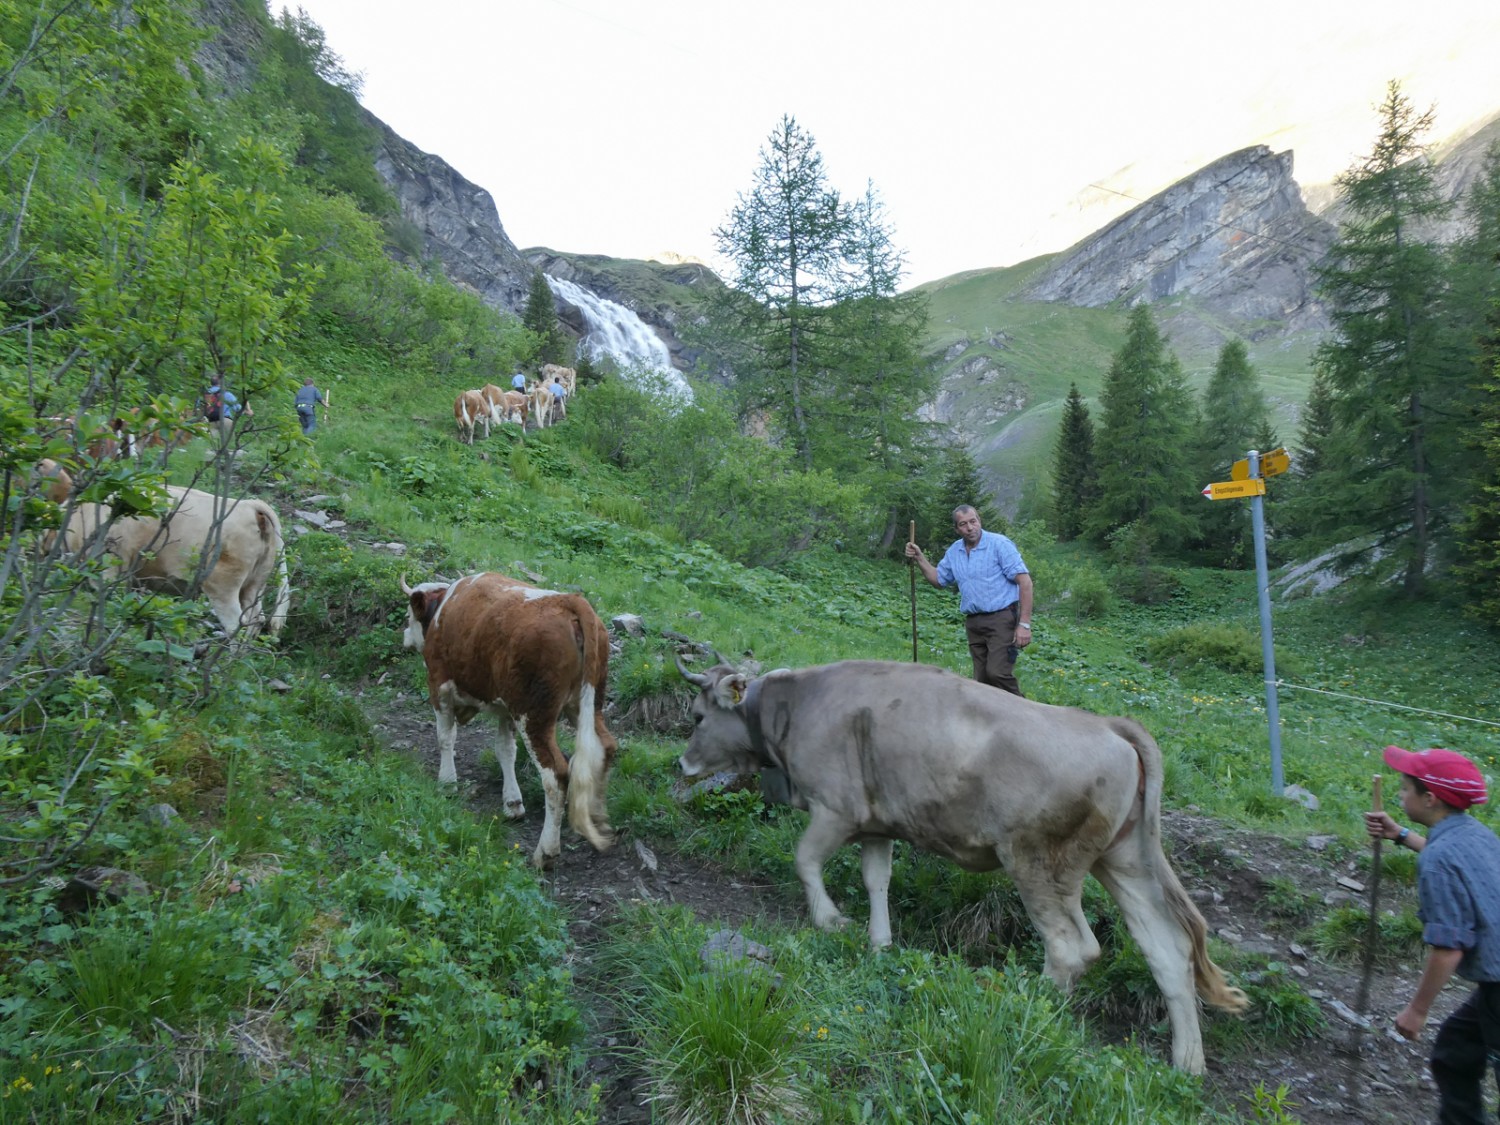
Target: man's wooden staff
(1363, 997)
(911, 565)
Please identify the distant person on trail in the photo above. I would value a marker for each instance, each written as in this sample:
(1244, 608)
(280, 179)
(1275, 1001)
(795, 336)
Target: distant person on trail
(1458, 895)
(518, 380)
(559, 397)
(222, 407)
(994, 589)
(309, 398)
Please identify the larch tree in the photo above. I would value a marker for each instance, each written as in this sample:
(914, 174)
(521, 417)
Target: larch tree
(785, 241)
(1075, 480)
(1390, 362)
(1143, 439)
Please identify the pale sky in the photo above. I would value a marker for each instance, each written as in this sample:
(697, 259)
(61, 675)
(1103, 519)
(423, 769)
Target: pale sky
(630, 127)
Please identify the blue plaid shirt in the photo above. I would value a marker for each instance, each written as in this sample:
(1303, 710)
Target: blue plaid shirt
(986, 576)
(1458, 888)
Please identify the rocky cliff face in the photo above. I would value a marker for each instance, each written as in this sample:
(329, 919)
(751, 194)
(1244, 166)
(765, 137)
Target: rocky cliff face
(458, 221)
(1234, 236)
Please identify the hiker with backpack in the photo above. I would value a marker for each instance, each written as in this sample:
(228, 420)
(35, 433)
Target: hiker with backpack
(221, 406)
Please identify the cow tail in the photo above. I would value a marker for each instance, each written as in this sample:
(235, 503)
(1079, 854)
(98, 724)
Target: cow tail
(283, 593)
(588, 767)
(1212, 985)
(269, 525)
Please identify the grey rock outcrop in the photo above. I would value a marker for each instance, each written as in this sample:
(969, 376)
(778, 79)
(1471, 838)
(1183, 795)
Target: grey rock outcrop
(1235, 237)
(457, 219)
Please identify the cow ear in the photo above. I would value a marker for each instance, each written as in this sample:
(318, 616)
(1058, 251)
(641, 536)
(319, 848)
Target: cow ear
(730, 691)
(423, 604)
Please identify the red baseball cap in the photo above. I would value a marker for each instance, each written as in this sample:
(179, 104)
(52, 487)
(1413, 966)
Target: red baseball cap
(1453, 779)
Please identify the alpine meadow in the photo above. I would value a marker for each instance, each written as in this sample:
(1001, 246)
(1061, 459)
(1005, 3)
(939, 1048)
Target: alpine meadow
(232, 886)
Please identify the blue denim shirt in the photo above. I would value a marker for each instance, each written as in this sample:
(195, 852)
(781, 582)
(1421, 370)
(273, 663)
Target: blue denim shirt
(1458, 888)
(986, 576)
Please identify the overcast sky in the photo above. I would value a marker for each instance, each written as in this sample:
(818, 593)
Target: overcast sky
(993, 131)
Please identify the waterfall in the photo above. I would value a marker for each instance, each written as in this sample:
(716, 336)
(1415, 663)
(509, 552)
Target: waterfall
(615, 331)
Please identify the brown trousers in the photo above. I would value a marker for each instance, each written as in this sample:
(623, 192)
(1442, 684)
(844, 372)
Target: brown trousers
(992, 646)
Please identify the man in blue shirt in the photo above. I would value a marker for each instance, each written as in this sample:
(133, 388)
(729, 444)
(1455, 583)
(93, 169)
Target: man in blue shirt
(1458, 892)
(518, 380)
(307, 401)
(994, 592)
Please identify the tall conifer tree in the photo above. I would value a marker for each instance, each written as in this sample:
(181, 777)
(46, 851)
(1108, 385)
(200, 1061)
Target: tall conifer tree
(1390, 362)
(1075, 482)
(1477, 271)
(1235, 419)
(1143, 441)
(785, 241)
(539, 317)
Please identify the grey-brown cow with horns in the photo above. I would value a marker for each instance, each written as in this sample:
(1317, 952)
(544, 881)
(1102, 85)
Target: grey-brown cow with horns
(877, 752)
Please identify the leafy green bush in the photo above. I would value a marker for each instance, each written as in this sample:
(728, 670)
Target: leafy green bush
(1088, 594)
(1232, 648)
(347, 606)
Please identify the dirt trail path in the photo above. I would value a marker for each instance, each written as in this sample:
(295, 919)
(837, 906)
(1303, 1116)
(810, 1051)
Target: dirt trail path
(1225, 870)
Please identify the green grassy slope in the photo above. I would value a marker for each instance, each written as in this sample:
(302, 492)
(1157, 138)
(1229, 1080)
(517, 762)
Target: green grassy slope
(1011, 421)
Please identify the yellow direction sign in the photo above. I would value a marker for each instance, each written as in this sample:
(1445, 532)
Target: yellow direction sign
(1235, 489)
(1271, 464)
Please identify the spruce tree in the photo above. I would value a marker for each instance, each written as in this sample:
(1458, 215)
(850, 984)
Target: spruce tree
(961, 485)
(1389, 361)
(539, 317)
(1234, 415)
(1075, 481)
(866, 423)
(1146, 479)
(1476, 273)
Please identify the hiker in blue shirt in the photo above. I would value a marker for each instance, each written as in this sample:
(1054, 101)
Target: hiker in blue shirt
(1458, 894)
(994, 592)
(222, 407)
(308, 400)
(518, 380)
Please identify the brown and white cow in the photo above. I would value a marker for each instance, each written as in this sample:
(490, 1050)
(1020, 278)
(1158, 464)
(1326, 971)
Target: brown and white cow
(494, 398)
(164, 553)
(567, 376)
(525, 655)
(513, 407)
(470, 410)
(877, 752)
(541, 404)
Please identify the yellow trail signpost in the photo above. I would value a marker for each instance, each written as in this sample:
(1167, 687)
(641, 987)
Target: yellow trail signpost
(1234, 489)
(1248, 479)
(1272, 464)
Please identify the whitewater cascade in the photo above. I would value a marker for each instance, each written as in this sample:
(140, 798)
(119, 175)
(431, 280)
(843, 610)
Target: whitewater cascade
(615, 331)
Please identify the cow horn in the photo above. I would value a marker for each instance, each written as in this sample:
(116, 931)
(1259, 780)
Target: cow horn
(691, 677)
(720, 658)
(405, 589)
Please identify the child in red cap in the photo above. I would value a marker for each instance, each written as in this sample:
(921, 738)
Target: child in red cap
(1458, 890)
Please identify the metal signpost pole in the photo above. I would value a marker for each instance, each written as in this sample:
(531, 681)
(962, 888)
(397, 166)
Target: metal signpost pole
(1267, 650)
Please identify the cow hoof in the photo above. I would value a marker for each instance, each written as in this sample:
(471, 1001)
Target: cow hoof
(515, 810)
(542, 861)
(830, 925)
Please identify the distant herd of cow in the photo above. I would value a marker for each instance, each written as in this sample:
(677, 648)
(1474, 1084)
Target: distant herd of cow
(874, 752)
(492, 405)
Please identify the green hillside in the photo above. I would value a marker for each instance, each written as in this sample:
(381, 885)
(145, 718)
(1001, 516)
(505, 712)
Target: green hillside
(231, 888)
(1039, 349)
